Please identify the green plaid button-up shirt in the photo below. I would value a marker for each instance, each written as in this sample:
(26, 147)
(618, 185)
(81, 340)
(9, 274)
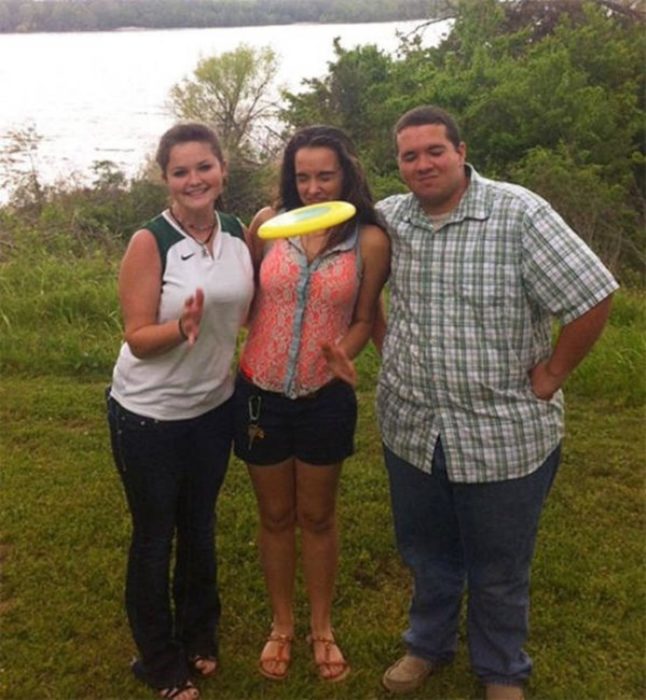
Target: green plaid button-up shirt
(471, 306)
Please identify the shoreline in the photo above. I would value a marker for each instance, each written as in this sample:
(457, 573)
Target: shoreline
(134, 28)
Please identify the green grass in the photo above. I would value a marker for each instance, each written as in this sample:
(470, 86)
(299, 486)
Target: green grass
(64, 528)
(58, 313)
(65, 535)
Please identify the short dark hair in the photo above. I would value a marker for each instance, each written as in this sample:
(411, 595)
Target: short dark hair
(355, 187)
(185, 133)
(429, 114)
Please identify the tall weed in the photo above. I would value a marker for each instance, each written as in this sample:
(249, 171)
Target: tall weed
(615, 370)
(58, 312)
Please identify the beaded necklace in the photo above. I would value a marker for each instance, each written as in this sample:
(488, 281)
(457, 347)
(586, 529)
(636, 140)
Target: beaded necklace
(203, 244)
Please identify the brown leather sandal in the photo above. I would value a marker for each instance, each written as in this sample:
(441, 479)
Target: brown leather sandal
(284, 645)
(343, 666)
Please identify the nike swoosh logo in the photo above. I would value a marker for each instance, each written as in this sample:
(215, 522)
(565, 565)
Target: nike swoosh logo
(186, 257)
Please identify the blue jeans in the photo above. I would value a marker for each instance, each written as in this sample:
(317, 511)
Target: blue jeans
(481, 536)
(172, 472)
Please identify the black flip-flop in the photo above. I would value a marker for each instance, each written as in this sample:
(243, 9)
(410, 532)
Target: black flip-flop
(168, 693)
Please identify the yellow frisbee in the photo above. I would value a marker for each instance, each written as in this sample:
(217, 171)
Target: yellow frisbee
(313, 217)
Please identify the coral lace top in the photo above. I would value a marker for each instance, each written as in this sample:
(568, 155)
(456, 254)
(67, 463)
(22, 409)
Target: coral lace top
(299, 306)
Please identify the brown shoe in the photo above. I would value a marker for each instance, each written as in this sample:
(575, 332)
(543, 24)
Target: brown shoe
(495, 691)
(407, 674)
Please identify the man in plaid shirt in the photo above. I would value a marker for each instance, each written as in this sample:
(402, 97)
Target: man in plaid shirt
(469, 395)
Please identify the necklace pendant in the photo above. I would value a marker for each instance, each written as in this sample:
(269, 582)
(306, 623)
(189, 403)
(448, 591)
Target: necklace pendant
(205, 252)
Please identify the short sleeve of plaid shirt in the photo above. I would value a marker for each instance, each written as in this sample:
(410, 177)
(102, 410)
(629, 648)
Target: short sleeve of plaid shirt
(560, 272)
(470, 313)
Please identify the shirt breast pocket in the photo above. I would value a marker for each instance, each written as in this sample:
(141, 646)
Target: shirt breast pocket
(482, 301)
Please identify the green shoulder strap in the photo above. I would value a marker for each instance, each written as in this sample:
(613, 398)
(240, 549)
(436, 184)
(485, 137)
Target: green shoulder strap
(165, 236)
(231, 224)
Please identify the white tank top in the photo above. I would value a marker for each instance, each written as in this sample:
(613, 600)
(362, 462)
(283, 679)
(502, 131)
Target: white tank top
(186, 381)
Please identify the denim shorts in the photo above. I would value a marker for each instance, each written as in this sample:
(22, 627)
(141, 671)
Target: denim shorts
(317, 429)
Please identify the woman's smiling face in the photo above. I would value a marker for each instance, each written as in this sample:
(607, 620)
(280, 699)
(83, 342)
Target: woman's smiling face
(194, 175)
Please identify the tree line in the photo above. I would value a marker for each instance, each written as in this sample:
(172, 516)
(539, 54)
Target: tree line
(106, 15)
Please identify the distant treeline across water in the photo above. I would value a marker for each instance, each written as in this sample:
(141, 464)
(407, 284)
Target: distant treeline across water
(107, 15)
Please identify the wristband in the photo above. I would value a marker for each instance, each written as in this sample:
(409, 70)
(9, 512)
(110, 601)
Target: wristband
(182, 332)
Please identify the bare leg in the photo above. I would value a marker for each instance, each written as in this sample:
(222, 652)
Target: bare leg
(275, 492)
(316, 488)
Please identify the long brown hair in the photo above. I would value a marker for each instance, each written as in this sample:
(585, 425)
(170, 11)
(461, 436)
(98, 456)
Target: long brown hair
(355, 187)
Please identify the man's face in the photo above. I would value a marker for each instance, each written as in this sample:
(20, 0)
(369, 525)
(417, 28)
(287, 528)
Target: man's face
(432, 167)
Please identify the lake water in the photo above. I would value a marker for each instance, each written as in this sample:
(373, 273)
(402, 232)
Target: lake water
(103, 95)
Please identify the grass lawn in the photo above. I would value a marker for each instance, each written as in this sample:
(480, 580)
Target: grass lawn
(65, 535)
